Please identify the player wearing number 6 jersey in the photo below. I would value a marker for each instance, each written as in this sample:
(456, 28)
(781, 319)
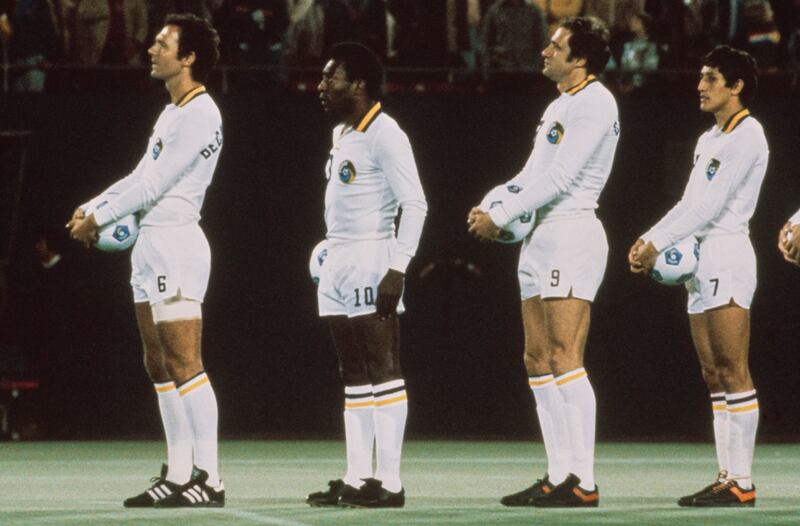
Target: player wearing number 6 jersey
(171, 260)
(562, 263)
(371, 173)
(730, 161)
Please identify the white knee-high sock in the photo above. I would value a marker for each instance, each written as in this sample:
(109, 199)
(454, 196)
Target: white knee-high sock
(581, 409)
(742, 426)
(391, 409)
(177, 431)
(720, 410)
(552, 422)
(359, 432)
(201, 408)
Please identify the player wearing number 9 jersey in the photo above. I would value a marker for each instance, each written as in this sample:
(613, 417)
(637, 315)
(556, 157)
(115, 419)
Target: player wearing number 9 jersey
(562, 263)
(371, 173)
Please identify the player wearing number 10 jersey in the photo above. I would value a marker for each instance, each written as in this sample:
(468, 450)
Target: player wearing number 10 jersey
(371, 173)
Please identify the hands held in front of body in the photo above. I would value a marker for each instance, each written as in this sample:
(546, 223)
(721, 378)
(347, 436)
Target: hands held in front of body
(789, 243)
(642, 257)
(389, 290)
(82, 229)
(481, 226)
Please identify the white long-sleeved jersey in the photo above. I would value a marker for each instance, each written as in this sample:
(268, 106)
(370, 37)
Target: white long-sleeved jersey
(371, 171)
(169, 184)
(795, 219)
(721, 195)
(571, 159)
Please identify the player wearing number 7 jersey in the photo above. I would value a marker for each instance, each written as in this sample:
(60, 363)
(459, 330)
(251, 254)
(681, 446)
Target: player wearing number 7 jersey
(371, 173)
(730, 161)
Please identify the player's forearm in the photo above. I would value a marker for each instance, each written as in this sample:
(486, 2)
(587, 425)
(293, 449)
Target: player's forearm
(691, 220)
(409, 233)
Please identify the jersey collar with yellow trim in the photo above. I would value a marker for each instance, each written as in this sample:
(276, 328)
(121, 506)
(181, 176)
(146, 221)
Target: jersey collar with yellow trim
(735, 120)
(581, 85)
(369, 118)
(190, 96)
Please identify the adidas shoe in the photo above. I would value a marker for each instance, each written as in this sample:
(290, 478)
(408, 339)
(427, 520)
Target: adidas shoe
(373, 495)
(568, 494)
(195, 494)
(727, 494)
(159, 489)
(526, 496)
(688, 500)
(330, 497)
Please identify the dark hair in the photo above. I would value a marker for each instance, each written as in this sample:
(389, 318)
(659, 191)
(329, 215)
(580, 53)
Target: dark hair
(589, 40)
(199, 36)
(735, 64)
(360, 62)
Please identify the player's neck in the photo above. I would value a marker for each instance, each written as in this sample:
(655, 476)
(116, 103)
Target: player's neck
(180, 85)
(726, 112)
(573, 78)
(360, 109)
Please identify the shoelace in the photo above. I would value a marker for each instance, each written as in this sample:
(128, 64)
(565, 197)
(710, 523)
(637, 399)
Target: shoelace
(722, 486)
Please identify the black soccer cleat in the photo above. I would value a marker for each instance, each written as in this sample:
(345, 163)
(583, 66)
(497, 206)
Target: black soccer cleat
(330, 497)
(726, 494)
(160, 488)
(568, 494)
(195, 494)
(688, 500)
(526, 496)
(373, 495)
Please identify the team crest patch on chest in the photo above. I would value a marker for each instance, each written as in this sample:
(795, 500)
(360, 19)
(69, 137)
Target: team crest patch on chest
(555, 133)
(347, 172)
(712, 169)
(157, 147)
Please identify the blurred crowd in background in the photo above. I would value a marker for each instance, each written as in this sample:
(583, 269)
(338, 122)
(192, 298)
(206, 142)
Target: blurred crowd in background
(482, 36)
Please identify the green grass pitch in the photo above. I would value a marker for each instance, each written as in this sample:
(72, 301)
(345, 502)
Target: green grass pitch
(447, 482)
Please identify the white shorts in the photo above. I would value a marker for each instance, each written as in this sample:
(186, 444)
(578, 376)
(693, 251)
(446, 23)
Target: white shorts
(563, 256)
(168, 261)
(726, 270)
(348, 281)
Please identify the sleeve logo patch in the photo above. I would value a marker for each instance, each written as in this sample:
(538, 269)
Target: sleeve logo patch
(157, 147)
(712, 169)
(555, 133)
(347, 172)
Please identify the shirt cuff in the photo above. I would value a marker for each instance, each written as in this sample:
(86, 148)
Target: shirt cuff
(660, 241)
(499, 216)
(399, 262)
(102, 216)
(795, 219)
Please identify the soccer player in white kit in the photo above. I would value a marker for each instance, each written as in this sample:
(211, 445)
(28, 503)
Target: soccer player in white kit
(789, 239)
(730, 161)
(171, 260)
(371, 173)
(563, 261)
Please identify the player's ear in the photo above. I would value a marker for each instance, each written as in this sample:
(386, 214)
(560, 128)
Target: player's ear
(737, 87)
(360, 86)
(188, 60)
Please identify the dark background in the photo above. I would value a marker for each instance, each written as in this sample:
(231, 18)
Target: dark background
(267, 352)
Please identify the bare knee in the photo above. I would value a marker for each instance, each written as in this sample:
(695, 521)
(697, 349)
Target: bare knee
(733, 376)
(354, 373)
(154, 365)
(384, 368)
(711, 377)
(562, 360)
(537, 363)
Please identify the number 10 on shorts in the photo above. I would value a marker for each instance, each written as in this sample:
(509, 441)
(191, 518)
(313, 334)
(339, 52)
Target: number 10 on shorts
(367, 294)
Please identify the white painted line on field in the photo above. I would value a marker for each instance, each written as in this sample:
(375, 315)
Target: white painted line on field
(262, 519)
